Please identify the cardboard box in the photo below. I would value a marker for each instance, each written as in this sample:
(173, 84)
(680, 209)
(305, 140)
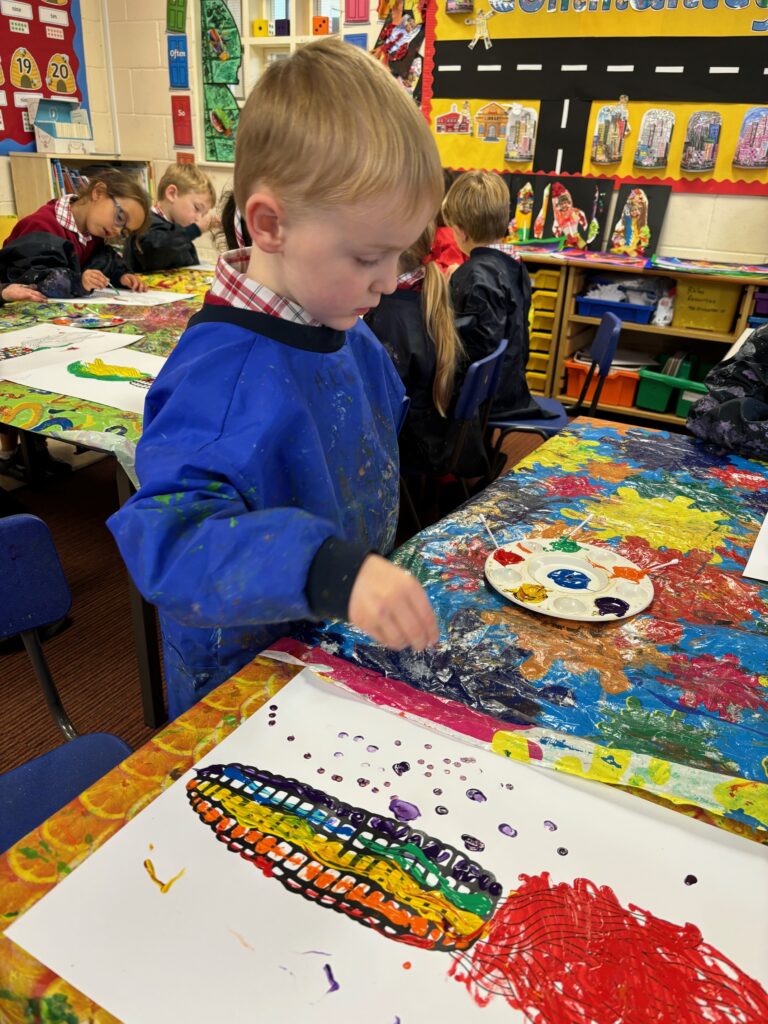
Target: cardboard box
(61, 126)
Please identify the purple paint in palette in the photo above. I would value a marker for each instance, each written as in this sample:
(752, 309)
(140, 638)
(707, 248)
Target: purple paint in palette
(611, 606)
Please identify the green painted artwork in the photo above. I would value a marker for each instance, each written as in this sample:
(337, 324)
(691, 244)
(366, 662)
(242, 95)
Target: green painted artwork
(221, 114)
(220, 44)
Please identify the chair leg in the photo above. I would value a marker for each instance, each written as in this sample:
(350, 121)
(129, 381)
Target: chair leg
(43, 674)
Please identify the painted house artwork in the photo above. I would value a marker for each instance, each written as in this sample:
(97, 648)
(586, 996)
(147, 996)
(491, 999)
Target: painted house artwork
(702, 141)
(752, 147)
(455, 122)
(611, 130)
(491, 121)
(521, 134)
(652, 150)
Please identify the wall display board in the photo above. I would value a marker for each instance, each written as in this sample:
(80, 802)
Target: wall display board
(610, 90)
(222, 58)
(41, 55)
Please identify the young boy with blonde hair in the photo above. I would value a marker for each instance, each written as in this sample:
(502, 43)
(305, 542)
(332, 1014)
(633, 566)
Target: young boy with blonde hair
(268, 464)
(185, 198)
(492, 290)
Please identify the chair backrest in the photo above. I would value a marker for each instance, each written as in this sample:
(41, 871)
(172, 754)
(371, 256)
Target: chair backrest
(33, 588)
(602, 351)
(480, 384)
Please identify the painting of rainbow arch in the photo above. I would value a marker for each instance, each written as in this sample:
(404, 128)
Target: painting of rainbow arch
(330, 861)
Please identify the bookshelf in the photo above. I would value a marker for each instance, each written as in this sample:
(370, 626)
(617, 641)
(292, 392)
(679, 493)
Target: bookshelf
(38, 177)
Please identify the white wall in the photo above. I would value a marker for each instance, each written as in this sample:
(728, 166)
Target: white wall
(731, 228)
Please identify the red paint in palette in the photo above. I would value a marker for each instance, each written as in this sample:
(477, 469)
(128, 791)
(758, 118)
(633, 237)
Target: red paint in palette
(506, 557)
(571, 954)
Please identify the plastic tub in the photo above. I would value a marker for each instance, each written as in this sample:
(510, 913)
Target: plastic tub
(690, 394)
(620, 386)
(756, 321)
(706, 305)
(540, 320)
(656, 389)
(538, 362)
(546, 278)
(540, 341)
(625, 311)
(536, 381)
(544, 301)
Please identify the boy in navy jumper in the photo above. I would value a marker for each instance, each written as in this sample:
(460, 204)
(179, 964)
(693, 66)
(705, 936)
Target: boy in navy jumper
(268, 465)
(182, 213)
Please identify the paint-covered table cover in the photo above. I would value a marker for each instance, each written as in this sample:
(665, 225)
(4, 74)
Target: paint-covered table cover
(160, 327)
(671, 702)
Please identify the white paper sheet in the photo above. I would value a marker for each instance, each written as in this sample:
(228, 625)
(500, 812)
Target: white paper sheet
(226, 942)
(103, 296)
(51, 344)
(67, 378)
(757, 564)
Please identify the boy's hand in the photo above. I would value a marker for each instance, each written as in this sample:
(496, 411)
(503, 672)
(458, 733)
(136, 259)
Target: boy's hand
(133, 282)
(391, 607)
(93, 279)
(209, 222)
(21, 293)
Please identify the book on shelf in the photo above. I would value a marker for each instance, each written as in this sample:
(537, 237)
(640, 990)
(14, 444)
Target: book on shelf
(67, 178)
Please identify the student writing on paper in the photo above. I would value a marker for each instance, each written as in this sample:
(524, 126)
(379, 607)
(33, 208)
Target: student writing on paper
(181, 214)
(62, 249)
(268, 466)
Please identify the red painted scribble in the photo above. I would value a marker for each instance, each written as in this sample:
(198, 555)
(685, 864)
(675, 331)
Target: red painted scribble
(571, 954)
(718, 684)
(571, 486)
(463, 565)
(506, 557)
(739, 478)
(693, 590)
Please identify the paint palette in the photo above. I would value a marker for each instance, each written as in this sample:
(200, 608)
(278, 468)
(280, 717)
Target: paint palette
(569, 580)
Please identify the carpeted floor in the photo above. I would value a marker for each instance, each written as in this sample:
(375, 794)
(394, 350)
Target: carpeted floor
(92, 661)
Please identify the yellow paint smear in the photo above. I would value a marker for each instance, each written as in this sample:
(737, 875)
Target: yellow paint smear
(162, 886)
(429, 904)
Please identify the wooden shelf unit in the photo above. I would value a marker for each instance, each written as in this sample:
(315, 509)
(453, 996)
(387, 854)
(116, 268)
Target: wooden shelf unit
(32, 178)
(258, 50)
(534, 264)
(576, 331)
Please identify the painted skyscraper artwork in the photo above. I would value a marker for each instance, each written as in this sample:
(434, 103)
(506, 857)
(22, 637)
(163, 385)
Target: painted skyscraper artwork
(752, 147)
(702, 140)
(652, 150)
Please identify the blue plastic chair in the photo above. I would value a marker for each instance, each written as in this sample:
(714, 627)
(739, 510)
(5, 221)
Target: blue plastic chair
(475, 398)
(603, 350)
(34, 593)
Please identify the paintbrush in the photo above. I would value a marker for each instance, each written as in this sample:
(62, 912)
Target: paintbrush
(582, 524)
(493, 539)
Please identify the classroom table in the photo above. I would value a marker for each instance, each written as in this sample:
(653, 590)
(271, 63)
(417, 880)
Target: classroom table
(102, 428)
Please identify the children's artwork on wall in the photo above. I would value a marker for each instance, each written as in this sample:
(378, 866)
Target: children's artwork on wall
(571, 209)
(491, 122)
(610, 132)
(455, 121)
(120, 379)
(520, 134)
(41, 55)
(459, 6)
(652, 150)
(401, 39)
(752, 147)
(702, 141)
(221, 116)
(220, 45)
(520, 225)
(641, 215)
(329, 857)
(480, 22)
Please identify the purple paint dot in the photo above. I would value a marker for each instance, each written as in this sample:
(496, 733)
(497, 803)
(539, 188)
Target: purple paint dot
(291, 739)
(363, 782)
(441, 810)
(477, 795)
(437, 792)
(430, 766)
(551, 826)
(562, 851)
(358, 739)
(446, 760)
(387, 785)
(507, 830)
(273, 707)
(462, 778)
(401, 768)
(403, 810)
(427, 775)
(337, 778)
(690, 879)
(398, 743)
(271, 723)
(468, 760)
(421, 761)
(508, 785)
(337, 753)
(374, 789)
(446, 771)
(427, 746)
(271, 715)
(321, 771)
(343, 735)
(472, 843)
(307, 757)
(457, 764)
(371, 749)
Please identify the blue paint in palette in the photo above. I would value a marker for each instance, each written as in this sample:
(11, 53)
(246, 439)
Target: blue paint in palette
(571, 579)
